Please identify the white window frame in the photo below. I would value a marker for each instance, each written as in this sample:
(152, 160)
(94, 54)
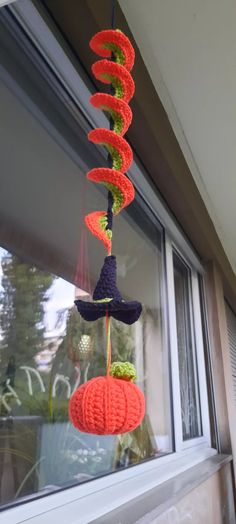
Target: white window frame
(6, 2)
(198, 339)
(96, 498)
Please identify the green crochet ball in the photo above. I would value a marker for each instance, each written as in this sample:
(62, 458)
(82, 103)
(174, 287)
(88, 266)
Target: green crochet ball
(124, 371)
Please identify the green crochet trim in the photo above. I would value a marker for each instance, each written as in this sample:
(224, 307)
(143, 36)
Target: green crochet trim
(118, 122)
(117, 197)
(116, 158)
(103, 300)
(123, 370)
(116, 83)
(103, 224)
(119, 55)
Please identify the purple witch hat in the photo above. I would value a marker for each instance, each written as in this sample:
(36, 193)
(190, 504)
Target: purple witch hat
(106, 297)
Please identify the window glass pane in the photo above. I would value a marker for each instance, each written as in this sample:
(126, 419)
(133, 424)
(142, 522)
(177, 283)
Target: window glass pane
(190, 408)
(47, 260)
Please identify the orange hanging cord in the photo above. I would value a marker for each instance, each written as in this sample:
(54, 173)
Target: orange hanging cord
(108, 331)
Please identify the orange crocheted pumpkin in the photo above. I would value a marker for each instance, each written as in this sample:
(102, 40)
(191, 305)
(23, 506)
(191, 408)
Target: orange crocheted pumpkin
(107, 406)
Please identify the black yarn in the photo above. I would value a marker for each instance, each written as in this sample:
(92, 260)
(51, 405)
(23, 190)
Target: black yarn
(109, 158)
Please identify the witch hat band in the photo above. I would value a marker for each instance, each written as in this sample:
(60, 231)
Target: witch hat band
(107, 298)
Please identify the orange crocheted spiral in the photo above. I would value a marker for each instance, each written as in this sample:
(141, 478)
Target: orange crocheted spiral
(116, 106)
(107, 406)
(117, 73)
(114, 180)
(95, 222)
(109, 139)
(110, 41)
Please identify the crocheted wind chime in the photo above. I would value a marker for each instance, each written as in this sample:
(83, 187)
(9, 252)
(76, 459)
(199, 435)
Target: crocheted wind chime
(110, 404)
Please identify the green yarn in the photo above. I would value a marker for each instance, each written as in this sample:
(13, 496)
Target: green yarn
(119, 55)
(118, 122)
(103, 224)
(116, 158)
(123, 370)
(117, 197)
(116, 83)
(103, 300)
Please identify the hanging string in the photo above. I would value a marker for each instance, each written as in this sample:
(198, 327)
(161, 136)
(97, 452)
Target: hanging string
(113, 14)
(108, 331)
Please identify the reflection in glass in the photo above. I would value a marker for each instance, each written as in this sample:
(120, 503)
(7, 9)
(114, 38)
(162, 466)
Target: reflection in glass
(46, 349)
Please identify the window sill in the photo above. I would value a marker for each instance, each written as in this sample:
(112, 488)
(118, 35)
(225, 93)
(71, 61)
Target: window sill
(150, 505)
(101, 496)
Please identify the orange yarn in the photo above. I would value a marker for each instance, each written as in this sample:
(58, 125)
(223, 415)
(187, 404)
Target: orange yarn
(106, 136)
(105, 175)
(92, 221)
(108, 103)
(106, 71)
(99, 44)
(107, 406)
(112, 43)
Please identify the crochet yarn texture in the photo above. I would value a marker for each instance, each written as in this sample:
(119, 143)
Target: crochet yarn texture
(107, 298)
(107, 406)
(111, 404)
(116, 73)
(124, 370)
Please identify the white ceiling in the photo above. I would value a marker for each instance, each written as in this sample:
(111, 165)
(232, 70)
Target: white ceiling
(189, 48)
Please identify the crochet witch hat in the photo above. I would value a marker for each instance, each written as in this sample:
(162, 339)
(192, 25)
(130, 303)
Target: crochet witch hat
(107, 298)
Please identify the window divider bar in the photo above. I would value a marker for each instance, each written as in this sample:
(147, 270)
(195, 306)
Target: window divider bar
(178, 434)
(200, 358)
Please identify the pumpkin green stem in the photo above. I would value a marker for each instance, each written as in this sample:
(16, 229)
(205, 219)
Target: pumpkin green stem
(123, 370)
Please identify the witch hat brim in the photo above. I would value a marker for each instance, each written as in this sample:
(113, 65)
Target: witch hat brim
(127, 312)
(107, 298)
